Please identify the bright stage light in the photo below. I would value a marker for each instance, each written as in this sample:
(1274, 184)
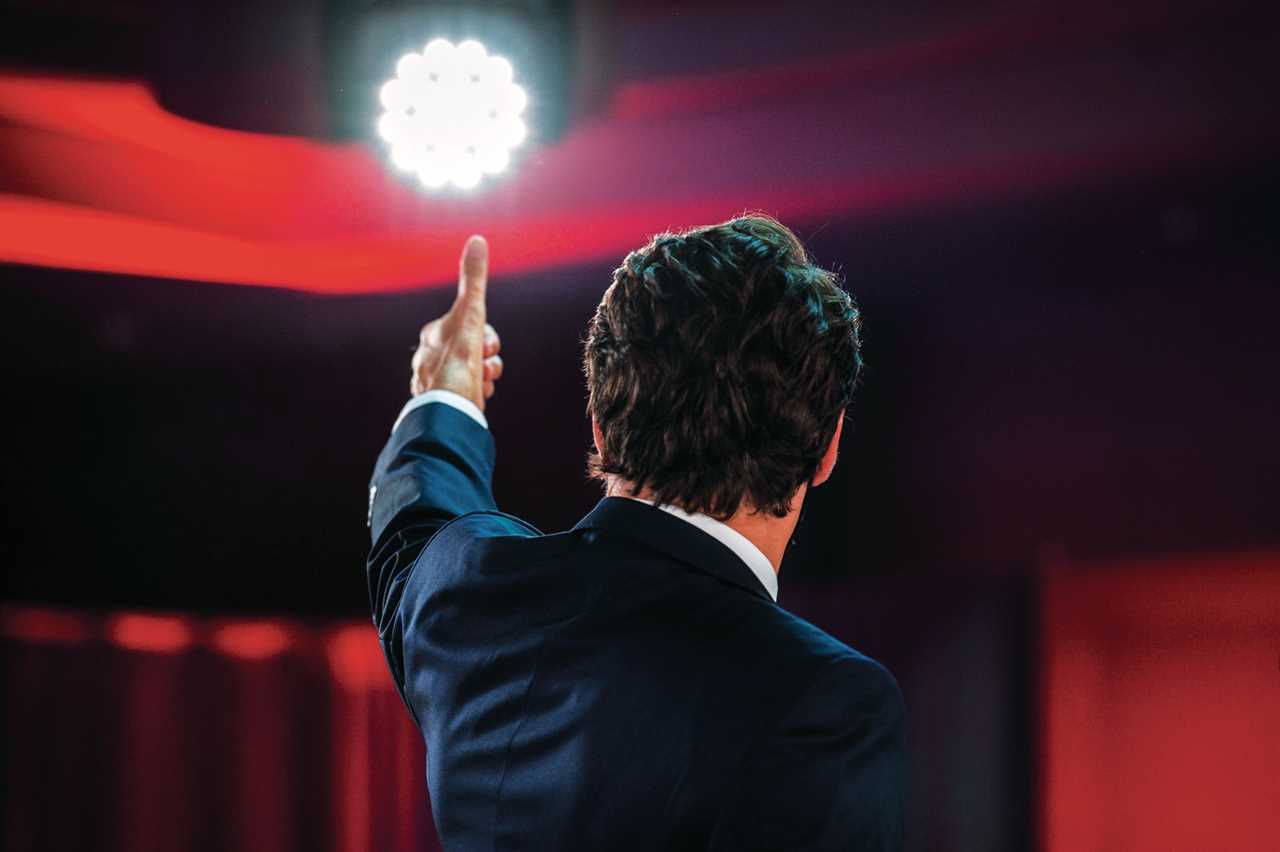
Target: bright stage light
(452, 114)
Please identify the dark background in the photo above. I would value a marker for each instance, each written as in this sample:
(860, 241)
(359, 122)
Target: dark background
(1082, 371)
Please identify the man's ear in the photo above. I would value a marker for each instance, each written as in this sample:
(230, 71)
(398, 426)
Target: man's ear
(828, 462)
(597, 436)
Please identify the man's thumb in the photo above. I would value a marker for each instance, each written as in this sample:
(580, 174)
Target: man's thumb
(473, 272)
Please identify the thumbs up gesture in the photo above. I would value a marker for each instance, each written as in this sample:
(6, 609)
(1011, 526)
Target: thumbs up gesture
(459, 351)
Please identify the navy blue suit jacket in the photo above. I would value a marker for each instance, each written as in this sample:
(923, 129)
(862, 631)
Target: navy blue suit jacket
(626, 684)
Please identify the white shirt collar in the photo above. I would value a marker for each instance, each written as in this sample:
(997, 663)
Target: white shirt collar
(730, 538)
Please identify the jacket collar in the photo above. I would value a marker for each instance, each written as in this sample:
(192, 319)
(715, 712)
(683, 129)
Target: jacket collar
(675, 537)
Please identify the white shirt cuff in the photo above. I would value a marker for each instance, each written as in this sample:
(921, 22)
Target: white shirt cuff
(448, 397)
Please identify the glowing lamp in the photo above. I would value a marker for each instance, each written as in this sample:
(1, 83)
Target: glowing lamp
(452, 114)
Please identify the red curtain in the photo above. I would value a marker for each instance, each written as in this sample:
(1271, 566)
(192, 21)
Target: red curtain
(139, 731)
(1161, 705)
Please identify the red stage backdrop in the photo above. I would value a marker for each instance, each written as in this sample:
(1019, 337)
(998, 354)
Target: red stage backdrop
(1161, 706)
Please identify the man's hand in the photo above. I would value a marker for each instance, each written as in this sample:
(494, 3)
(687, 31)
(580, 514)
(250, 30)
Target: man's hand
(459, 351)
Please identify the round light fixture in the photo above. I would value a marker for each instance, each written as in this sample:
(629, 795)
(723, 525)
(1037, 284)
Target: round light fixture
(452, 114)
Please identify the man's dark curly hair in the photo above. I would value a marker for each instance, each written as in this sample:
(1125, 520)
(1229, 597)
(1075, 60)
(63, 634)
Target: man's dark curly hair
(717, 364)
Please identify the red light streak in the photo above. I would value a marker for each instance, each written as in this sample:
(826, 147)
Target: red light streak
(154, 633)
(356, 659)
(252, 640)
(44, 626)
(95, 175)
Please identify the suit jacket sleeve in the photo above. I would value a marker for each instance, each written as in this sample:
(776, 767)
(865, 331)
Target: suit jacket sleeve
(832, 775)
(437, 466)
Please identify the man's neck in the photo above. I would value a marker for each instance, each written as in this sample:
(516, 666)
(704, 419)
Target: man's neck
(771, 535)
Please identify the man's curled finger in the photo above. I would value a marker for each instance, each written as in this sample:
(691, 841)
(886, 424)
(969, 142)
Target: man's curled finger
(493, 368)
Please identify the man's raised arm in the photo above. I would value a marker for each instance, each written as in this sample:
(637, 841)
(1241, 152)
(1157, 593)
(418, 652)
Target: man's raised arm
(438, 463)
